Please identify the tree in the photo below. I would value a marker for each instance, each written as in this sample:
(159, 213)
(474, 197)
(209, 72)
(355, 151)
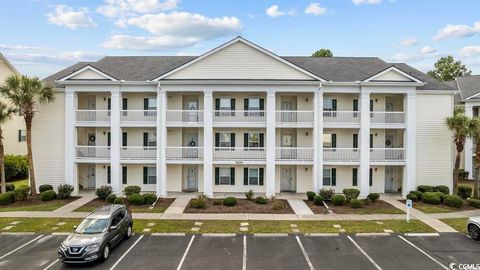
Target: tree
(474, 133)
(447, 69)
(6, 113)
(459, 124)
(323, 53)
(26, 94)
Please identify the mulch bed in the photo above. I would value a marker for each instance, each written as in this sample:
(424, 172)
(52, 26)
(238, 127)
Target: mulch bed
(243, 206)
(316, 209)
(464, 207)
(378, 207)
(161, 203)
(36, 201)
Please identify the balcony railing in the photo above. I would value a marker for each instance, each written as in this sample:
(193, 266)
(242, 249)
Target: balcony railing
(239, 153)
(93, 115)
(341, 117)
(239, 116)
(387, 117)
(341, 154)
(294, 117)
(92, 152)
(184, 153)
(294, 153)
(138, 116)
(138, 153)
(387, 154)
(184, 116)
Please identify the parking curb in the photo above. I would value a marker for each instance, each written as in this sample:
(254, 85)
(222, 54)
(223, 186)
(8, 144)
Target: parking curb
(219, 234)
(270, 234)
(422, 234)
(322, 234)
(18, 233)
(372, 234)
(168, 234)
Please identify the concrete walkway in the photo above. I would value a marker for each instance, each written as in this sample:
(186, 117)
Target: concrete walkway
(178, 205)
(459, 214)
(85, 198)
(299, 207)
(430, 220)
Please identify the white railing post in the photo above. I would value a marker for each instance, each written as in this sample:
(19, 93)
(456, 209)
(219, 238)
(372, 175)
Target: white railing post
(208, 144)
(70, 139)
(364, 142)
(116, 134)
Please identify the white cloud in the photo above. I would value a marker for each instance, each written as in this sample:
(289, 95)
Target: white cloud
(470, 51)
(361, 2)
(120, 8)
(408, 42)
(424, 53)
(315, 9)
(71, 18)
(53, 57)
(427, 50)
(274, 11)
(150, 43)
(24, 48)
(459, 30)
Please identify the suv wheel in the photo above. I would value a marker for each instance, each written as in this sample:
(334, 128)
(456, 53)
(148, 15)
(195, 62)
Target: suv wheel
(474, 231)
(128, 233)
(106, 252)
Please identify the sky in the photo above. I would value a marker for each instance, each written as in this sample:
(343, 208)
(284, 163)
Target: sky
(41, 37)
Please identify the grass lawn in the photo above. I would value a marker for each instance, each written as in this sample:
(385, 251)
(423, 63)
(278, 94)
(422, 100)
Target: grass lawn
(18, 183)
(160, 206)
(459, 224)
(35, 204)
(40, 225)
(439, 208)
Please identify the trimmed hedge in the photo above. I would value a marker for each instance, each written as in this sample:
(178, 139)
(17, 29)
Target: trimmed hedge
(103, 192)
(130, 190)
(310, 195)
(464, 192)
(43, 188)
(417, 193)
(351, 194)
(318, 200)
(111, 198)
(373, 197)
(354, 203)
(64, 191)
(412, 197)
(260, 200)
(230, 201)
(119, 200)
(444, 189)
(136, 199)
(431, 198)
(338, 199)
(48, 195)
(21, 193)
(149, 198)
(474, 202)
(249, 195)
(326, 193)
(6, 198)
(425, 188)
(16, 167)
(453, 201)
(199, 203)
(9, 187)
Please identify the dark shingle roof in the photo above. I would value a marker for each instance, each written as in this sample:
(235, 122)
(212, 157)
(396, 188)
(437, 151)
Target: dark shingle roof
(337, 69)
(468, 86)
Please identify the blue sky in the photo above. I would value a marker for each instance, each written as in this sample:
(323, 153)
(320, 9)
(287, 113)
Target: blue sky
(43, 36)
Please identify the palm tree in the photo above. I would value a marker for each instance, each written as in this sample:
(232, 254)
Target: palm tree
(474, 133)
(26, 93)
(6, 113)
(459, 124)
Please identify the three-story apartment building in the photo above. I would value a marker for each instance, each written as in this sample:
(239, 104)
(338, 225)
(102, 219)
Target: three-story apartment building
(240, 117)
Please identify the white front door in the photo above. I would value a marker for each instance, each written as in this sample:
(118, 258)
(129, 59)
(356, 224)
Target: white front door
(288, 152)
(91, 176)
(286, 115)
(192, 143)
(287, 183)
(192, 177)
(389, 178)
(192, 106)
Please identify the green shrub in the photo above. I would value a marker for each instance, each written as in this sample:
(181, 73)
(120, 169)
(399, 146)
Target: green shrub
(444, 189)
(111, 198)
(136, 199)
(7, 198)
(453, 201)
(464, 192)
(278, 204)
(310, 195)
(354, 203)
(249, 195)
(431, 198)
(462, 174)
(474, 202)
(9, 187)
(200, 202)
(260, 200)
(425, 188)
(326, 193)
(16, 167)
(149, 198)
(21, 193)
(217, 202)
(351, 193)
(338, 199)
(440, 194)
(103, 192)
(412, 196)
(373, 197)
(129, 190)
(230, 201)
(417, 193)
(119, 200)
(64, 191)
(48, 195)
(318, 200)
(43, 188)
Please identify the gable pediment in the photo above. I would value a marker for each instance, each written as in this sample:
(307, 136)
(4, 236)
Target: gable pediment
(392, 74)
(87, 73)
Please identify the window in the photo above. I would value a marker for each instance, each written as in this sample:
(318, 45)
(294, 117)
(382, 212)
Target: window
(328, 104)
(225, 176)
(225, 140)
(329, 140)
(149, 175)
(225, 104)
(124, 175)
(253, 176)
(109, 174)
(254, 139)
(152, 104)
(370, 177)
(354, 177)
(22, 135)
(329, 177)
(150, 139)
(254, 104)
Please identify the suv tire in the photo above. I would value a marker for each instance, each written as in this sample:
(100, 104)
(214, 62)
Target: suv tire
(105, 252)
(129, 231)
(474, 231)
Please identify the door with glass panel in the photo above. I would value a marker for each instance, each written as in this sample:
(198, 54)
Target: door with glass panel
(192, 179)
(191, 151)
(287, 179)
(288, 151)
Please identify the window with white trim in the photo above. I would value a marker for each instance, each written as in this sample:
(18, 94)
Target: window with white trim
(253, 139)
(152, 139)
(225, 140)
(327, 177)
(254, 104)
(225, 104)
(152, 104)
(22, 135)
(225, 177)
(327, 140)
(152, 175)
(328, 104)
(253, 176)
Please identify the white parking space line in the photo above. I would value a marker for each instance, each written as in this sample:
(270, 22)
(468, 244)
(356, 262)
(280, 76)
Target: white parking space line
(244, 260)
(305, 253)
(424, 253)
(365, 253)
(52, 264)
(22, 246)
(126, 252)
(185, 253)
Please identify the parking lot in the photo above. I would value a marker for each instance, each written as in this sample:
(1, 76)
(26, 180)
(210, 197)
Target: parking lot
(254, 252)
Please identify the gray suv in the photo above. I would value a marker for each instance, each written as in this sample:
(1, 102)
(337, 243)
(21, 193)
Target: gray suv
(96, 235)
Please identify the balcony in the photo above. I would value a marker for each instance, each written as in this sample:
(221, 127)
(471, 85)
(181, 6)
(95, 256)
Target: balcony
(184, 117)
(294, 154)
(295, 118)
(184, 153)
(341, 118)
(341, 154)
(246, 118)
(387, 118)
(92, 117)
(387, 155)
(239, 153)
(100, 153)
(138, 117)
(138, 153)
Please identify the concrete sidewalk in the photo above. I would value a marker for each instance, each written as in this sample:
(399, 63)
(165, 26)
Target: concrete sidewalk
(85, 198)
(179, 205)
(299, 207)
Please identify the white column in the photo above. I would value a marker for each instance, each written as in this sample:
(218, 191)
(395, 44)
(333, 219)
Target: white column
(208, 143)
(409, 171)
(161, 143)
(318, 141)
(270, 145)
(469, 145)
(116, 135)
(70, 139)
(364, 142)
